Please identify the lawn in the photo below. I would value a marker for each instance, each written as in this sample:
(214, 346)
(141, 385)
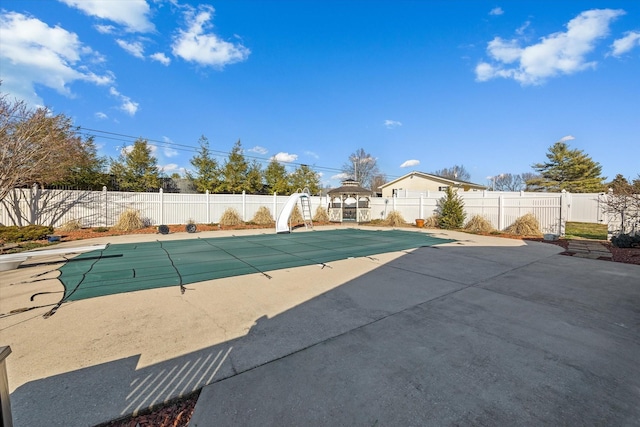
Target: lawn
(586, 230)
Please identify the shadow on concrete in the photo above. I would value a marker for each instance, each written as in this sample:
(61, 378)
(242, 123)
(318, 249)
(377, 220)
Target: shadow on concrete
(449, 335)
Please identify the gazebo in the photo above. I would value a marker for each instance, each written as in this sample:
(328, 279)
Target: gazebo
(350, 202)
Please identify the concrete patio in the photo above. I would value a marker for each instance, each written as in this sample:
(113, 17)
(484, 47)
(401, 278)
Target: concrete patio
(481, 331)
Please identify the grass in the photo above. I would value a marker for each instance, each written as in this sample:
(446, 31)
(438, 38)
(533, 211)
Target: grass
(586, 230)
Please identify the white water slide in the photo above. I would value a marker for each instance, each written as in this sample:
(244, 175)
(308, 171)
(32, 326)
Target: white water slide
(282, 224)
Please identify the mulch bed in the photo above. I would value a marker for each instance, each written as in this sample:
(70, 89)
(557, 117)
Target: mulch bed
(175, 414)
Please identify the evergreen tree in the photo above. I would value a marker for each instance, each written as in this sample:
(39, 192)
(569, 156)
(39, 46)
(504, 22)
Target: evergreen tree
(88, 172)
(235, 171)
(254, 184)
(207, 173)
(136, 169)
(275, 176)
(450, 210)
(303, 177)
(566, 169)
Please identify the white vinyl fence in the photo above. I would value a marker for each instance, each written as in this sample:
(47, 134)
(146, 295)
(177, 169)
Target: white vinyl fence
(102, 208)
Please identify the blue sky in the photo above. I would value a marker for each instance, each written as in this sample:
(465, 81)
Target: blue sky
(420, 85)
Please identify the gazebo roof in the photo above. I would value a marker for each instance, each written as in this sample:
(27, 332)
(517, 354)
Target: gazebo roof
(350, 187)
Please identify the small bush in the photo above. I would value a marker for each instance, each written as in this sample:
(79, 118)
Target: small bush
(101, 229)
(526, 225)
(479, 224)
(296, 216)
(230, 218)
(626, 241)
(72, 225)
(321, 215)
(432, 222)
(395, 219)
(129, 220)
(263, 216)
(14, 234)
(451, 210)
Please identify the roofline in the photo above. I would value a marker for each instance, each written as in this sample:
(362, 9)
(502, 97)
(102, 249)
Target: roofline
(431, 176)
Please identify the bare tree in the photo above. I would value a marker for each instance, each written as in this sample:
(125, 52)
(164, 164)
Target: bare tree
(511, 182)
(622, 203)
(456, 172)
(363, 167)
(36, 147)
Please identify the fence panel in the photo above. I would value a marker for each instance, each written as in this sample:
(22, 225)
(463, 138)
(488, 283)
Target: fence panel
(103, 208)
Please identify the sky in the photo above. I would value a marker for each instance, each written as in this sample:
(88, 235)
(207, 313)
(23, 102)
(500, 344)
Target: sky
(419, 85)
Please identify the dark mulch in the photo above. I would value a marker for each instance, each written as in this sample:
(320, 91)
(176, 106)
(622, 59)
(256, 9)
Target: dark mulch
(174, 414)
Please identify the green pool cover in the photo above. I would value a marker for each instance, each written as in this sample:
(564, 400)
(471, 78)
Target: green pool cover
(137, 266)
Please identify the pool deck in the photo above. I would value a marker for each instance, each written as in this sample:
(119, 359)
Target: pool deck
(480, 331)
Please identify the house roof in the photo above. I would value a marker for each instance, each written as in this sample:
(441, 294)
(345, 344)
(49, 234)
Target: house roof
(432, 177)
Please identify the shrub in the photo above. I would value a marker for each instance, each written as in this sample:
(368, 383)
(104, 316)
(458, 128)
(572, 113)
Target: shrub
(432, 222)
(626, 241)
(263, 216)
(230, 218)
(526, 225)
(395, 219)
(479, 224)
(101, 229)
(451, 210)
(13, 233)
(296, 216)
(321, 215)
(129, 220)
(72, 225)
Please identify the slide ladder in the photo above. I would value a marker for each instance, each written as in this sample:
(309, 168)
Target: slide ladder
(306, 209)
(283, 222)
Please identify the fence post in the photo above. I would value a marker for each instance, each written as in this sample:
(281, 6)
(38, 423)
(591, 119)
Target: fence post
(161, 200)
(275, 206)
(421, 207)
(394, 201)
(208, 208)
(501, 212)
(563, 211)
(244, 206)
(105, 198)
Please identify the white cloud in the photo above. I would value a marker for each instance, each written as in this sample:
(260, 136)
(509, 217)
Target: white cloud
(33, 53)
(195, 44)
(410, 163)
(105, 29)
(169, 152)
(311, 154)
(132, 14)
(127, 105)
(626, 43)
(520, 31)
(341, 176)
(567, 138)
(169, 168)
(100, 115)
(134, 48)
(390, 124)
(161, 58)
(557, 54)
(285, 157)
(259, 150)
(496, 11)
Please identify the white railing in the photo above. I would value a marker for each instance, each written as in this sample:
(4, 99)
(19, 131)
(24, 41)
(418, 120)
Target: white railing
(102, 208)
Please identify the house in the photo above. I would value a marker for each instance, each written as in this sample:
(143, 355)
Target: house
(420, 182)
